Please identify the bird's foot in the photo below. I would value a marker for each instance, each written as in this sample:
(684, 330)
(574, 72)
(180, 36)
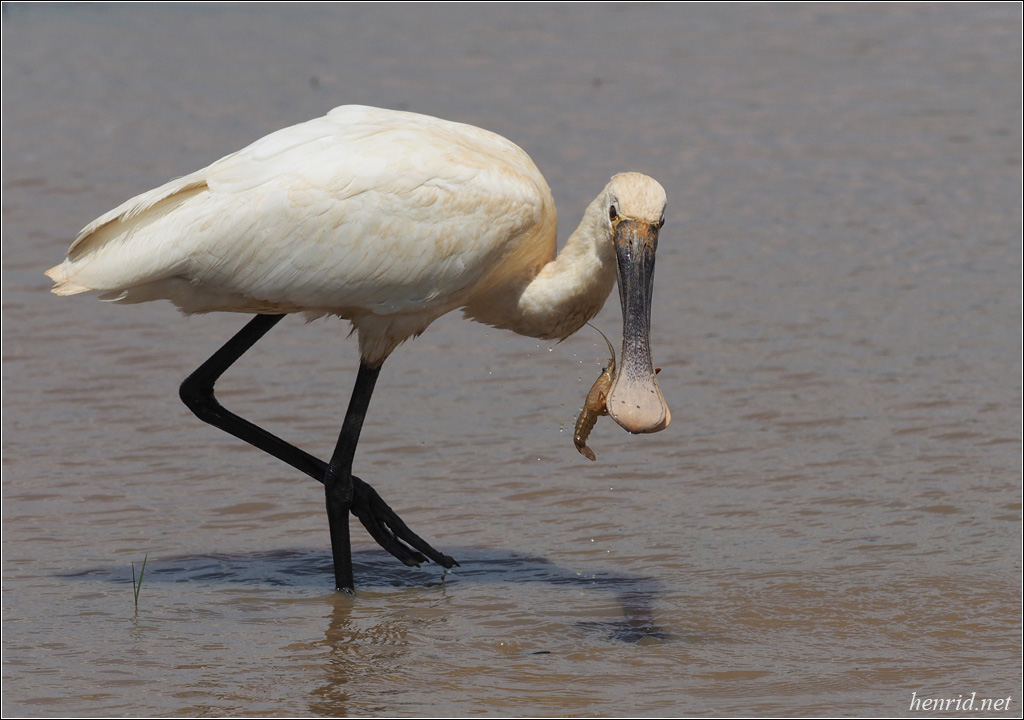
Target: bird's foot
(390, 532)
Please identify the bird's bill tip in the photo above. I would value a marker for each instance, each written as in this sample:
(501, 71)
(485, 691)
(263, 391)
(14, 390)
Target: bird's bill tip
(637, 405)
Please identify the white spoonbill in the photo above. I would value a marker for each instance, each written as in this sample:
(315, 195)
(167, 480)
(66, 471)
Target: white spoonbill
(388, 220)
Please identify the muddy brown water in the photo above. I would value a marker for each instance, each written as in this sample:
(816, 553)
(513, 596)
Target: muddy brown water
(831, 524)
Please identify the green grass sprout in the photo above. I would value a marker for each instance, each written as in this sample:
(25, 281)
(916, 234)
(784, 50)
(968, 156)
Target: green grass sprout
(137, 586)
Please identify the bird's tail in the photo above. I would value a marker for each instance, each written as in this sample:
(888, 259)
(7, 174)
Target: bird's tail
(62, 284)
(130, 246)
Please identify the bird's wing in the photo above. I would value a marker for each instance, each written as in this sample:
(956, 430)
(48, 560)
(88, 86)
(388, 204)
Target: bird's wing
(358, 210)
(361, 210)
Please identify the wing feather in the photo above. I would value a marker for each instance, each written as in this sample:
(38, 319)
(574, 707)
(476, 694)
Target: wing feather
(362, 210)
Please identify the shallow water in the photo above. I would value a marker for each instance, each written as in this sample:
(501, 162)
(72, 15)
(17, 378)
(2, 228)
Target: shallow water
(831, 524)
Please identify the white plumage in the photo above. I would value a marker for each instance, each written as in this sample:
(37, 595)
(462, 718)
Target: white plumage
(362, 213)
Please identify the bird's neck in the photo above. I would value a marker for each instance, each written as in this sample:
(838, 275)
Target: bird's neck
(558, 299)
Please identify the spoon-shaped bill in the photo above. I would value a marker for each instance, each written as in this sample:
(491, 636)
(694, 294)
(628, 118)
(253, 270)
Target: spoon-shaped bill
(635, 401)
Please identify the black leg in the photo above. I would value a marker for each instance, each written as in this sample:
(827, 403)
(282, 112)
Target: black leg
(338, 478)
(341, 487)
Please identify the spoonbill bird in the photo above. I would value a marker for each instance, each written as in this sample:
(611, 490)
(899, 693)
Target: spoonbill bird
(389, 220)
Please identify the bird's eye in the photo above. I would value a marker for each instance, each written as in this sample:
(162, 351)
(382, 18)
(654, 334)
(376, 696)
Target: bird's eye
(612, 213)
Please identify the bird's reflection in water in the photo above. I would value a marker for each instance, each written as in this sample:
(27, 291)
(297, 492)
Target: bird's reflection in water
(382, 634)
(367, 644)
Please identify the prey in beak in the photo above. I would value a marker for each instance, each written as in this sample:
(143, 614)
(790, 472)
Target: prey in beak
(635, 401)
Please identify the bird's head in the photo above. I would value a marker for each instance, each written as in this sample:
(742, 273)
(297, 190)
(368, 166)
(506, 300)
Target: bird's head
(635, 207)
